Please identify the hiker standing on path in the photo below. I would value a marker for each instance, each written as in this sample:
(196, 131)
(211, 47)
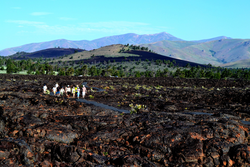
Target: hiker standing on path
(56, 85)
(58, 92)
(54, 90)
(62, 91)
(84, 91)
(78, 91)
(67, 90)
(44, 89)
(73, 91)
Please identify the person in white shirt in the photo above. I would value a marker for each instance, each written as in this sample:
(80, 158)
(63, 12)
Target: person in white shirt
(67, 90)
(73, 91)
(54, 90)
(56, 85)
(84, 90)
(62, 91)
(44, 88)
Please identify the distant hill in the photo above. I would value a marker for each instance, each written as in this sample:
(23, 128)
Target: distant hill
(214, 52)
(112, 53)
(46, 53)
(212, 39)
(143, 56)
(72, 54)
(107, 53)
(238, 64)
(94, 44)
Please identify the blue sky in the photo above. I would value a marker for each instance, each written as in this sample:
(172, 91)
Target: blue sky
(29, 21)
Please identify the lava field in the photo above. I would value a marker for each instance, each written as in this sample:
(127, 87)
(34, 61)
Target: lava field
(173, 122)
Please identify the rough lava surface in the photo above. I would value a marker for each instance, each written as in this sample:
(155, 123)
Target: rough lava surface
(185, 122)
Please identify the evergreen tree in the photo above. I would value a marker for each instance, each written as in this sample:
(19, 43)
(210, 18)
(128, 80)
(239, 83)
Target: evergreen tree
(226, 73)
(246, 75)
(148, 73)
(137, 74)
(237, 74)
(177, 72)
(188, 73)
(121, 72)
(41, 69)
(98, 71)
(29, 72)
(188, 65)
(116, 73)
(202, 73)
(83, 70)
(159, 73)
(171, 64)
(11, 68)
(165, 71)
(217, 75)
(109, 71)
(61, 71)
(48, 69)
(209, 74)
(93, 71)
(37, 72)
(1, 61)
(70, 71)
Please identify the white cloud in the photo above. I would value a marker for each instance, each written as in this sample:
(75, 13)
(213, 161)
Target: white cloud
(113, 27)
(40, 13)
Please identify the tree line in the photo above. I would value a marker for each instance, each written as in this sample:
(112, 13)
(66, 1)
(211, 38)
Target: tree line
(134, 47)
(38, 68)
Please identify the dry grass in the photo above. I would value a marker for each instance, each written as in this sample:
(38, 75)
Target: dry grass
(107, 51)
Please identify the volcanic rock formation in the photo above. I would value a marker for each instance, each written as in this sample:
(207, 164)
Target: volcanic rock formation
(184, 122)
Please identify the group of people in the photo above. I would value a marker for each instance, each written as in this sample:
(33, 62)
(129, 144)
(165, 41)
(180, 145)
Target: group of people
(68, 91)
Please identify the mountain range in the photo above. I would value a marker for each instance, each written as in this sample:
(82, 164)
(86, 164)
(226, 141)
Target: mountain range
(217, 51)
(130, 38)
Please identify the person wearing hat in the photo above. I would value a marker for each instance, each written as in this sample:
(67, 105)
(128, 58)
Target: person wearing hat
(84, 90)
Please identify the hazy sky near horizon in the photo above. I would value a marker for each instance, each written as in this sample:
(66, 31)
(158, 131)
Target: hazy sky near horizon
(28, 21)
